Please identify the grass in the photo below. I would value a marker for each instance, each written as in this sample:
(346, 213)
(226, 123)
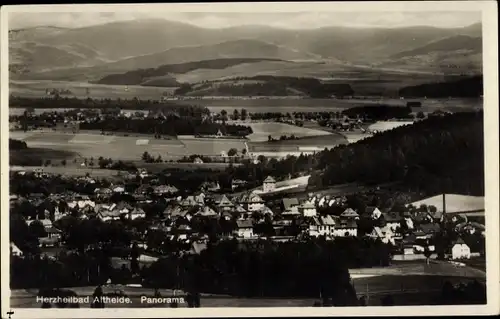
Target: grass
(262, 130)
(36, 88)
(123, 148)
(307, 142)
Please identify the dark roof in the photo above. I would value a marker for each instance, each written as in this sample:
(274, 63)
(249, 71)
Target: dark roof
(244, 223)
(430, 228)
(289, 202)
(269, 179)
(392, 217)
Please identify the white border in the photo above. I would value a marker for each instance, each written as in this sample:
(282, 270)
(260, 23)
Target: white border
(491, 142)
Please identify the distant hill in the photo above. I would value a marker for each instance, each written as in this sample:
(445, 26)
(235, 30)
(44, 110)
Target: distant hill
(154, 42)
(266, 85)
(468, 87)
(164, 75)
(459, 42)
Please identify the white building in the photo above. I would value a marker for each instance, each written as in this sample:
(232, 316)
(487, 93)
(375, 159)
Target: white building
(244, 228)
(308, 209)
(269, 184)
(460, 250)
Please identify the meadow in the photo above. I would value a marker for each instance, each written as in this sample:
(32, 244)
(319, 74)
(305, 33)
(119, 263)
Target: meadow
(127, 148)
(262, 130)
(36, 88)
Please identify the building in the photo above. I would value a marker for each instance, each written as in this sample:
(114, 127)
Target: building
(252, 202)
(349, 213)
(393, 220)
(307, 209)
(460, 250)
(269, 185)
(383, 233)
(322, 226)
(345, 228)
(287, 204)
(225, 204)
(198, 161)
(244, 228)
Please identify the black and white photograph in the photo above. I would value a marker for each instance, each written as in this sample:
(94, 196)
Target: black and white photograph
(323, 157)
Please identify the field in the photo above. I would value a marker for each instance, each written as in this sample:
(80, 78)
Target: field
(262, 130)
(387, 125)
(36, 88)
(306, 143)
(121, 147)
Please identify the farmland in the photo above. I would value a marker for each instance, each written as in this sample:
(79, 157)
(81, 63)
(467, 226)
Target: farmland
(306, 143)
(261, 131)
(126, 148)
(36, 88)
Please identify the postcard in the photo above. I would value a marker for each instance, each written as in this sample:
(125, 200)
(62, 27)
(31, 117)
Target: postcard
(250, 159)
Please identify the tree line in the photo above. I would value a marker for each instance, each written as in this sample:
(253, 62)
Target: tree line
(170, 126)
(32, 103)
(471, 87)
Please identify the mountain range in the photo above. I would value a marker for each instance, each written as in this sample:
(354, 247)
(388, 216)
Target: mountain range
(95, 52)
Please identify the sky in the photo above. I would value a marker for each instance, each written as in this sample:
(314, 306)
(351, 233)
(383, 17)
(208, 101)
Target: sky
(292, 20)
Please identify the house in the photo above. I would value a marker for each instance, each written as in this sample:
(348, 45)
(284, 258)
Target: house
(165, 189)
(288, 203)
(53, 232)
(292, 211)
(349, 213)
(321, 226)
(119, 189)
(383, 233)
(198, 160)
(307, 209)
(252, 202)
(460, 250)
(206, 212)
(244, 228)
(345, 228)
(393, 220)
(269, 184)
(225, 203)
(373, 212)
(136, 213)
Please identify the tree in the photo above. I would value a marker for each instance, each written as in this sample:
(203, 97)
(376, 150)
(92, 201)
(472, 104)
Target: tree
(37, 229)
(63, 162)
(427, 254)
(236, 114)
(232, 152)
(145, 156)
(224, 114)
(244, 114)
(244, 151)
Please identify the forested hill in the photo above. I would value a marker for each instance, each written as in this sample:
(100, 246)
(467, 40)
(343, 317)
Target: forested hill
(468, 87)
(267, 85)
(436, 155)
